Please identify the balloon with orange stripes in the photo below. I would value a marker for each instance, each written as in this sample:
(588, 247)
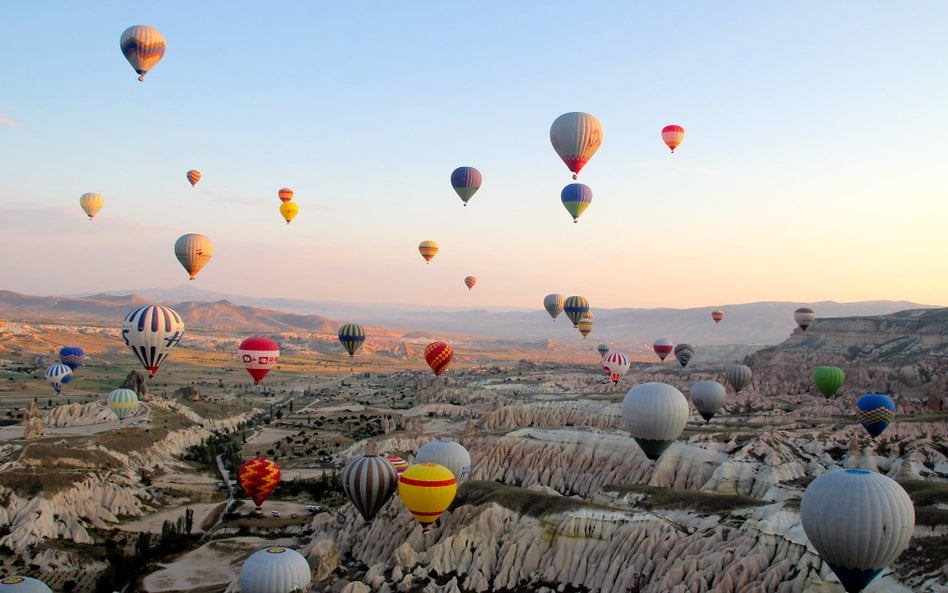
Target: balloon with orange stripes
(427, 490)
(259, 477)
(438, 355)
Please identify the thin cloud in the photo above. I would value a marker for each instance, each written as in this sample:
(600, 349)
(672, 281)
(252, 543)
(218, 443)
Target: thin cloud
(9, 122)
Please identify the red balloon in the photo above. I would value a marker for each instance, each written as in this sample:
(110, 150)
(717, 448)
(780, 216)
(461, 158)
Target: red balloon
(258, 354)
(672, 136)
(438, 355)
(259, 477)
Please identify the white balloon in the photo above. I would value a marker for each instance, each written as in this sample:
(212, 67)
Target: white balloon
(151, 332)
(655, 414)
(708, 397)
(275, 570)
(449, 454)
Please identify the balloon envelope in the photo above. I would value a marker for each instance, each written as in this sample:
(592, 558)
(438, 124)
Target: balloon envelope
(576, 197)
(259, 477)
(193, 251)
(672, 136)
(91, 203)
(576, 137)
(15, 584)
(602, 349)
(553, 303)
(828, 379)
(708, 398)
(369, 481)
(143, 47)
(683, 353)
(466, 181)
(258, 354)
(275, 570)
(399, 463)
(438, 355)
(717, 315)
(352, 337)
(654, 414)
(859, 522)
(876, 412)
(285, 194)
(58, 375)
(738, 375)
(576, 307)
(470, 281)
(151, 332)
(663, 347)
(428, 249)
(289, 210)
(804, 317)
(615, 364)
(450, 454)
(427, 490)
(123, 402)
(193, 177)
(72, 356)
(585, 324)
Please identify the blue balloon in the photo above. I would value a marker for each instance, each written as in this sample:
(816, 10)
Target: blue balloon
(72, 357)
(466, 181)
(576, 198)
(876, 412)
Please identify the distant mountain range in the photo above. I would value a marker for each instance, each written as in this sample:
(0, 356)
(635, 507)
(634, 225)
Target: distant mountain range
(745, 324)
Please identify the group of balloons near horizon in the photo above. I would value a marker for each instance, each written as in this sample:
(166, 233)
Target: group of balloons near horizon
(859, 521)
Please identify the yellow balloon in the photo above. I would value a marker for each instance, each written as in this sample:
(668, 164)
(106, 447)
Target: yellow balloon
(91, 203)
(427, 490)
(289, 211)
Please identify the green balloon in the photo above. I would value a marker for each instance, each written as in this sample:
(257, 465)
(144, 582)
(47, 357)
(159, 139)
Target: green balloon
(828, 380)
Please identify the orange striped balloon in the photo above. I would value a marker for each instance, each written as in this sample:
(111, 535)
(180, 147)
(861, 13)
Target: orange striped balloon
(400, 464)
(427, 490)
(286, 194)
(428, 249)
(438, 355)
(194, 176)
(672, 136)
(259, 477)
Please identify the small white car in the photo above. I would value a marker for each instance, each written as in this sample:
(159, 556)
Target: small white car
(276, 514)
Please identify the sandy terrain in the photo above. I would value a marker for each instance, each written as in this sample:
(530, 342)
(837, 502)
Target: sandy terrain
(214, 564)
(153, 523)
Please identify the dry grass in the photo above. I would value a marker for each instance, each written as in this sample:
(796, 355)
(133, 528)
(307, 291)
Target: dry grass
(56, 455)
(521, 500)
(688, 500)
(28, 483)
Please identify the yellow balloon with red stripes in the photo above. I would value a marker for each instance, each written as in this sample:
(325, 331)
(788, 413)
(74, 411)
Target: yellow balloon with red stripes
(427, 490)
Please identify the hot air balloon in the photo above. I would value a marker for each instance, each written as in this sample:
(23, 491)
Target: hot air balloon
(151, 332)
(352, 337)
(428, 249)
(427, 490)
(369, 481)
(23, 585)
(553, 303)
(876, 412)
(576, 137)
(804, 317)
(397, 462)
(672, 136)
(585, 324)
(654, 414)
(123, 403)
(193, 177)
(708, 398)
(91, 203)
(438, 355)
(466, 181)
(828, 380)
(738, 375)
(684, 352)
(663, 347)
(602, 349)
(285, 194)
(449, 454)
(576, 197)
(72, 356)
(275, 570)
(193, 251)
(859, 522)
(143, 48)
(258, 354)
(58, 375)
(470, 281)
(259, 477)
(576, 308)
(615, 364)
(289, 210)
(717, 315)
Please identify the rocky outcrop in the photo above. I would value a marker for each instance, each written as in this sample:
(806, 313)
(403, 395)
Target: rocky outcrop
(76, 414)
(33, 426)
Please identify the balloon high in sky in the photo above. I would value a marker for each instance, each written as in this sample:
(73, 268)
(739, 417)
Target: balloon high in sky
(360, 120)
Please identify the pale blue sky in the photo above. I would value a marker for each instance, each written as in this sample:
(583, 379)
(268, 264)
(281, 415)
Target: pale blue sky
(813, 167)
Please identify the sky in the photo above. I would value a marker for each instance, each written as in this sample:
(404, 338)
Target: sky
(813, 167)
